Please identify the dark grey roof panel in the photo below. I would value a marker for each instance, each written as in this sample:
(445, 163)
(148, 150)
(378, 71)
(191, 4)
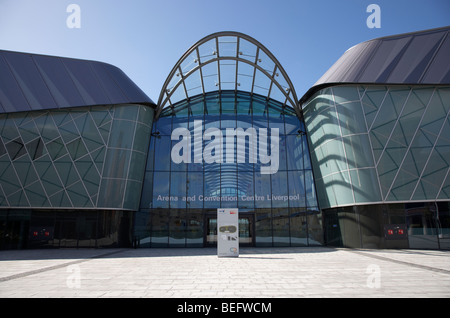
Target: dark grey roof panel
(414, 58)
(127, 87)
(11, 96)
(439, 70)
(86, 82)
(383, 61)
(33, 82)
(58, 81)
(27, 76)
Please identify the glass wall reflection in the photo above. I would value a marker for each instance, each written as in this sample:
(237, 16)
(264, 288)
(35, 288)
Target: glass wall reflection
(418, 225)
(226, 150)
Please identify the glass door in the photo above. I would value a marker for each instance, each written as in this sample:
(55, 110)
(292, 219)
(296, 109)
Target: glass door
(211, 231)
(245, 231)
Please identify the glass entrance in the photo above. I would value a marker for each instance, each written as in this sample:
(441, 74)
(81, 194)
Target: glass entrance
(246, 230)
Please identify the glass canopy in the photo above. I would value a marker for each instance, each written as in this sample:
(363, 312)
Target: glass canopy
(227, 61)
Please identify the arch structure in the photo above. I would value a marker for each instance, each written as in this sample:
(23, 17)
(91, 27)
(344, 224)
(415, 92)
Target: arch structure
(227, 61)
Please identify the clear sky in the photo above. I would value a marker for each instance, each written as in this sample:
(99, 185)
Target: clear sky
(145, 38)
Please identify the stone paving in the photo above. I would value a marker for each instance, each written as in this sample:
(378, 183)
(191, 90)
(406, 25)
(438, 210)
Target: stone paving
(199, 273)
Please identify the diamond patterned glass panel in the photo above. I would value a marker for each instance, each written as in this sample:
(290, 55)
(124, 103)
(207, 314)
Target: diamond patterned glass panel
(78, 195)
(36, 148)
(16, 149)
(56, 148)
(36, 195)
(76, 149)
(68, 131)
(44, 152)
(2, 148)
(46, 127)
(28, 131)
(25, 171)
(408, 129)
(66, 170)
(8, 178)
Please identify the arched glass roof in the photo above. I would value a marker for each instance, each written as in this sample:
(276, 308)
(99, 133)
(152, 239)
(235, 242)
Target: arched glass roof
(227, 61)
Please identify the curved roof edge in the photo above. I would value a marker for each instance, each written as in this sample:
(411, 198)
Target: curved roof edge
(410, 59)
(227, 60)
(31, 82)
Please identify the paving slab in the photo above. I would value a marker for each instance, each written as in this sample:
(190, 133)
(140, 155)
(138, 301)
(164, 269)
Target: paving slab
(199, 273)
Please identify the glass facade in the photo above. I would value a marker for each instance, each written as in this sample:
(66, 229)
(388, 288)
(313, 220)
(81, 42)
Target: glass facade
(37, 228)
(83, 163)
(220, 150)
(422, 225)
(72, 177)
(379, 144)
(381, 159)
(74, 158)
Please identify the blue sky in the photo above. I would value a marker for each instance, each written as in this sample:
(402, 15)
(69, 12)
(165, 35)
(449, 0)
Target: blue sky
(145, 38)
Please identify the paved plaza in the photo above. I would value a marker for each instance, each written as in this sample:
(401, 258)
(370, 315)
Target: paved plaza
(199, 273)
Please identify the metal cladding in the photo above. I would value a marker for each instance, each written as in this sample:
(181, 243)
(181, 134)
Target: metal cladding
(412, 58)
(33, 82)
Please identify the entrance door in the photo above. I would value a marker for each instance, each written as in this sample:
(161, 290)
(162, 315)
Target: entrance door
(246, 230)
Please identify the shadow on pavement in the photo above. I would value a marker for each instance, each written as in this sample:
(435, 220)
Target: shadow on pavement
(74, 253)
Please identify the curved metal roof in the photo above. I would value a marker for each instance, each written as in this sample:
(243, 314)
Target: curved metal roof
(227, 61)
(33, 82)
(414, 58)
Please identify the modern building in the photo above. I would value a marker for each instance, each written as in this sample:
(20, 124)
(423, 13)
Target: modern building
(361, 160)
(378, 128)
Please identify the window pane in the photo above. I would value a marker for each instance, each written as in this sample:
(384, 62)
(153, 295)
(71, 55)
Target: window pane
(279, 189)
(177, 189)
(263, 227)
(194, 189)
(293, 124)
(246, 191)
(297, 226)
(281, 236)
(211, 198)
(160, 228)
(161, 189)
(422, 232)
(162, 153)
(311, 199)
(194, 228)
(163, 126)
(262, 190)
(177, 228)
(315, 228)
(229, 186)
(297, 197)
(294, 152)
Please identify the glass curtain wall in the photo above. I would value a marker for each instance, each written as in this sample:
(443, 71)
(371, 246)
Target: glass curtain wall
(27, 228)
(418, 225)
(380, 144)
(74, 158)
(221, 150)
(381, 158)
